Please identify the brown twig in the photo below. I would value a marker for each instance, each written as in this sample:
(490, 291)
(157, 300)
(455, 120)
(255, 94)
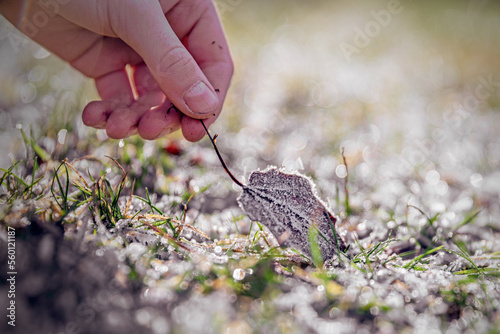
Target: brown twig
(212, 140)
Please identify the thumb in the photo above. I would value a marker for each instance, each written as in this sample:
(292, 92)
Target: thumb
(170, 63)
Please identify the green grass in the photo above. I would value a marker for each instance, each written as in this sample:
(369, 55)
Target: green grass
(107, 199)
(70, 192)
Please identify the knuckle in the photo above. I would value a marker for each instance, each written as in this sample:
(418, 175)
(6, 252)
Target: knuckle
(175, 64)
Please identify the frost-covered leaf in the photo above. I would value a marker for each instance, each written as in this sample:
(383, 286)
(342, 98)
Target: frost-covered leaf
(288, 205)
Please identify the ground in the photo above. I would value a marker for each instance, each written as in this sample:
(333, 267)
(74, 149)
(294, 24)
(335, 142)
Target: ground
(114, 236)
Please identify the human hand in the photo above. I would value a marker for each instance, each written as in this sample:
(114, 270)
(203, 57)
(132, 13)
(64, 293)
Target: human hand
(177, 50)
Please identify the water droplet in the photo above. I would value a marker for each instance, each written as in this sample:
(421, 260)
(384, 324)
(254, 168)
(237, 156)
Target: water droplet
(321, 288)
(238, 274)
(438, 207)
(432, 177)
(297, 141)
(38, 75)
(299, 164)
(334, 312)
(121, 143)
(463, 204)
(218, 250)
(61, 136)
(41, 53)
(476, 180)
(291, 165)
(341, 171)
(160, 325)
(159, 267)
(27, 93)
(415, 188)
(148, 149)
(441, 187)
(374, 310)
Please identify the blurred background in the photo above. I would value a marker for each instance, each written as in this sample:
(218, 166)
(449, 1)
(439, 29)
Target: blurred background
(407, 88)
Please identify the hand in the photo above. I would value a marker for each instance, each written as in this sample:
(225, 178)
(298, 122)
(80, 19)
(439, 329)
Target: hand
(176, 48)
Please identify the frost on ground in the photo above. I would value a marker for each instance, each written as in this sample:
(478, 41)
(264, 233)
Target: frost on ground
(416, 111)
(219, 271)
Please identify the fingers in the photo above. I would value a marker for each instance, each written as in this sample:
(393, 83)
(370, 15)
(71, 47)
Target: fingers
(159, 121)
(115, 86)
(96, 113)
(121, 121)
(115, 90)
(193, 130)
(120, 114)
(143, 80)
(173, 67)
(195, 75)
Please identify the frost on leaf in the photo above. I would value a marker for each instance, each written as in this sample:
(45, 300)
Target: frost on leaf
(288, 205)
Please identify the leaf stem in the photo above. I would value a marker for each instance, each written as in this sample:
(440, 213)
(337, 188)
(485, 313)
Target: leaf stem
(235, 180)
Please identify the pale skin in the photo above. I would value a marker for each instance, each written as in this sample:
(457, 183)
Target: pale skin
(176, 49)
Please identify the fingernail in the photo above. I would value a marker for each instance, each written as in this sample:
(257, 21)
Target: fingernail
(200, 99)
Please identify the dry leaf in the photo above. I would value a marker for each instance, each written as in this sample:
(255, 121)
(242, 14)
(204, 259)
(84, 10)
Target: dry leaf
(288, 205)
